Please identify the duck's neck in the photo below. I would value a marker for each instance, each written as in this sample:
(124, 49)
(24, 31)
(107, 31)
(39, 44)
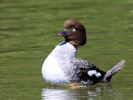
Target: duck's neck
(74, 44)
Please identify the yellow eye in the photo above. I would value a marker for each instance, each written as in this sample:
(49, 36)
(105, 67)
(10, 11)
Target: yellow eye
(73, 30)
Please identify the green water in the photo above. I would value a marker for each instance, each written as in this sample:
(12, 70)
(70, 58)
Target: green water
(28, 31)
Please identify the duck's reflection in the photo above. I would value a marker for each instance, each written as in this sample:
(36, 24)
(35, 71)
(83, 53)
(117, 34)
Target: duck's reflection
(89, 93)
(57, 94)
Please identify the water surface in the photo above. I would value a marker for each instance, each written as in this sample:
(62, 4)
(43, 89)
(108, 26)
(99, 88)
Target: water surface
(28, 31)
(97, 92)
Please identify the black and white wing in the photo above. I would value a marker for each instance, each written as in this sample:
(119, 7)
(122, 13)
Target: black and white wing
(88, 73)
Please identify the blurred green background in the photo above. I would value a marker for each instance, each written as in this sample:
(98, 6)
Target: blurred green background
(28, 31)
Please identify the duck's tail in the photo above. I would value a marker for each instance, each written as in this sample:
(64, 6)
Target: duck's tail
(114, 70)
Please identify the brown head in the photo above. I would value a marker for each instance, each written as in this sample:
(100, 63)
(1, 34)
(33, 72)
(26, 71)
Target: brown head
(74, 32)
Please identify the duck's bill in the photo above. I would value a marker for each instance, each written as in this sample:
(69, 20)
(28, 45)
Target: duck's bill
(63, 33)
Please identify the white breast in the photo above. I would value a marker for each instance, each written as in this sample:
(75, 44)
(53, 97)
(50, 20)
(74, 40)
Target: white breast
(57, 64)
(51, 71)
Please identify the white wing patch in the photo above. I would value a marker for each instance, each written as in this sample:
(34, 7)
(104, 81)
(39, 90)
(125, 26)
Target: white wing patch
(94, 72)
(98, 74)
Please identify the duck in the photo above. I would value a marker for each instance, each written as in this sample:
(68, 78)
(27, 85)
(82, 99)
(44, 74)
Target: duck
(62, 66)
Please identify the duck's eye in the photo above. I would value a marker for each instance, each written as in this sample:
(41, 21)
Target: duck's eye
(73, 30)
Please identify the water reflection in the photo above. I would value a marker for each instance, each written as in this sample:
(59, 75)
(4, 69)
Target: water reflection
(88, 93)
(57, 94)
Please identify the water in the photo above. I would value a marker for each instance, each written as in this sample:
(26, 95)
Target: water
(28, 33)
(87, 93)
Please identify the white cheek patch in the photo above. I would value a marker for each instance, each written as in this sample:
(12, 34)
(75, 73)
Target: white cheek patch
(94, 72)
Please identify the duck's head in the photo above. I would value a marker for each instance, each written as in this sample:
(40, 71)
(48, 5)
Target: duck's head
(74, 32)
